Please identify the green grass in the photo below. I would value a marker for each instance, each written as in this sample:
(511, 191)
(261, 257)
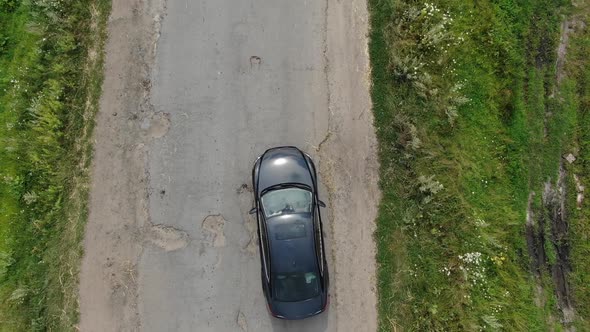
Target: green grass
(50, 79)
(578, 70)
(461, 103)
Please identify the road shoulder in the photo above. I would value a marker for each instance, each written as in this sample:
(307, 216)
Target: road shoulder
(350, 167)
(118, 193)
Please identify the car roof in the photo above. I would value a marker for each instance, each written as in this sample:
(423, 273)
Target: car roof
(295, 254)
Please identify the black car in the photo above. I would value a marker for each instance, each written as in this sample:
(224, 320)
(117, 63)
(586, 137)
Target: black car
(292, 253)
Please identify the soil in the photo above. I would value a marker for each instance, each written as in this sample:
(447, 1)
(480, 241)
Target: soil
(118, 222)
(552, 211)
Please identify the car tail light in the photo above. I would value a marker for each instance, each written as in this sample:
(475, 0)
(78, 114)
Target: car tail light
(272, 313)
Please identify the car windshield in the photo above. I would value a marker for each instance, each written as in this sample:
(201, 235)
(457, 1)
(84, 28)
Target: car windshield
(285, 201)
(299, 286)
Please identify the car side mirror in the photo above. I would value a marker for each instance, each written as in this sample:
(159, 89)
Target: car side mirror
(322, 204)
(253, 210)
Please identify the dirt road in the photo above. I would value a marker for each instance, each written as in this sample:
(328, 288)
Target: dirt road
(194, 91)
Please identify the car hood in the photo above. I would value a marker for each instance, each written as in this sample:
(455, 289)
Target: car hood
(299, 310)
(283, 165)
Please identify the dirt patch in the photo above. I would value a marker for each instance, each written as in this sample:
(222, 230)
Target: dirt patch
(555, 203)
(568, 26)
(349, 167)
(566, 30)
(118, 208)
(552, 211)
(535, 237)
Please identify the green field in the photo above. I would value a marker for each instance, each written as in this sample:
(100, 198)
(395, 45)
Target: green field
(471, 120)
(50, 78)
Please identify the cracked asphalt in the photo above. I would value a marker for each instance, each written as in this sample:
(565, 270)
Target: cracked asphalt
(202, 88)
(236, 77)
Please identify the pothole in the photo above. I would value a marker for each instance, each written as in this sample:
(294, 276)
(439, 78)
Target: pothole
(241, 320)
(167, 237)
(213, 226)
(156, 125)
(249, 221)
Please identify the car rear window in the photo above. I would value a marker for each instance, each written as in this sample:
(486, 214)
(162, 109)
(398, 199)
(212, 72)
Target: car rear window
(298, 286)
(290, 231)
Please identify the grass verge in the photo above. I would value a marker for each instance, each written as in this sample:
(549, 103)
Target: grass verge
(50, 81)
(578, 69)
(470, 120)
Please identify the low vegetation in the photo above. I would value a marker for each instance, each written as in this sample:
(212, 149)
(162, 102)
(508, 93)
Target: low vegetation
(472, 121)
(50, 78)
(578, 69)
